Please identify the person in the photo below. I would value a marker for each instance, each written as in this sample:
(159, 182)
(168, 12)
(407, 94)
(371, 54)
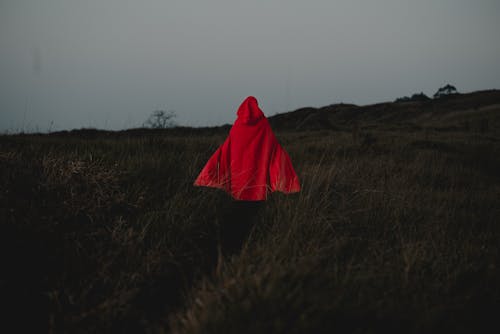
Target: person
(250, 163)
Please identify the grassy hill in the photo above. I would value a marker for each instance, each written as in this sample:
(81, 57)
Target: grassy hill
(443, 112)
(396, 228)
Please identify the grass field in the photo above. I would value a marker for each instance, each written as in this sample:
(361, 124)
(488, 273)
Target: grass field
(396, 229)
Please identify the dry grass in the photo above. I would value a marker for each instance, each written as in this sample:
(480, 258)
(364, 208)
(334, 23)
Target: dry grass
(395, 230)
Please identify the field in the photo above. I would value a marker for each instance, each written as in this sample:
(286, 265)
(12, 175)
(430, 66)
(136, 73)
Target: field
(396, 228)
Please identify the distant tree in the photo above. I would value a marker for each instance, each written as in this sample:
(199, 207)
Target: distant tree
(445, 90)
(160, 119)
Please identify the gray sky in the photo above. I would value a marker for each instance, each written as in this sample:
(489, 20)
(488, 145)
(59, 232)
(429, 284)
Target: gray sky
(109, 63)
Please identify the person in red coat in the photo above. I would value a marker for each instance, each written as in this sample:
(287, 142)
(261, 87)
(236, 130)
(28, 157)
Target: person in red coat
(250, 163)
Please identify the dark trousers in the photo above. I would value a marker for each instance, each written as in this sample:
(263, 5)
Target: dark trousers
(236, 221)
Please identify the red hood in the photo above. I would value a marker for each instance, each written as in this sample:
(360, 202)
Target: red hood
(249, 111)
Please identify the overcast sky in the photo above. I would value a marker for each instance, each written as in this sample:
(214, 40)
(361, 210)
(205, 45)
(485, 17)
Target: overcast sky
(109, 63)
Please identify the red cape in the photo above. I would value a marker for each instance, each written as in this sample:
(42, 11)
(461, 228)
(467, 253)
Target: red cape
(250, 163)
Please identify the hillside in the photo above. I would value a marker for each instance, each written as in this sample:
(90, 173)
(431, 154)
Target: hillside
(450, 111)
(455, 111)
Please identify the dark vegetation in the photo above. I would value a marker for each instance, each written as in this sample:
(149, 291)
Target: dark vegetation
(160, 119)
(421, 97)
(446, 91)
(396, 228)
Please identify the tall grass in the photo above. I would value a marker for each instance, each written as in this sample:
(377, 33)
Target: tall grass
(398, 232)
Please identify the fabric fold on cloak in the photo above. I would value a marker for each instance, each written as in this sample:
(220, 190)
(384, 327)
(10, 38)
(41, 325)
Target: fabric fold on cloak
(250, 163)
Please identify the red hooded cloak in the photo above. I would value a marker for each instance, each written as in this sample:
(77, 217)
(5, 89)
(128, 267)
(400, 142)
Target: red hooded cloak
(250, 163)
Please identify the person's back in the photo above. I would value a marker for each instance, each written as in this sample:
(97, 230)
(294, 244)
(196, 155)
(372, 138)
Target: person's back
(250, 163)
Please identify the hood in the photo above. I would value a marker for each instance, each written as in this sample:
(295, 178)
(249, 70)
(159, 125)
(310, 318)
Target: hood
(249, 111)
